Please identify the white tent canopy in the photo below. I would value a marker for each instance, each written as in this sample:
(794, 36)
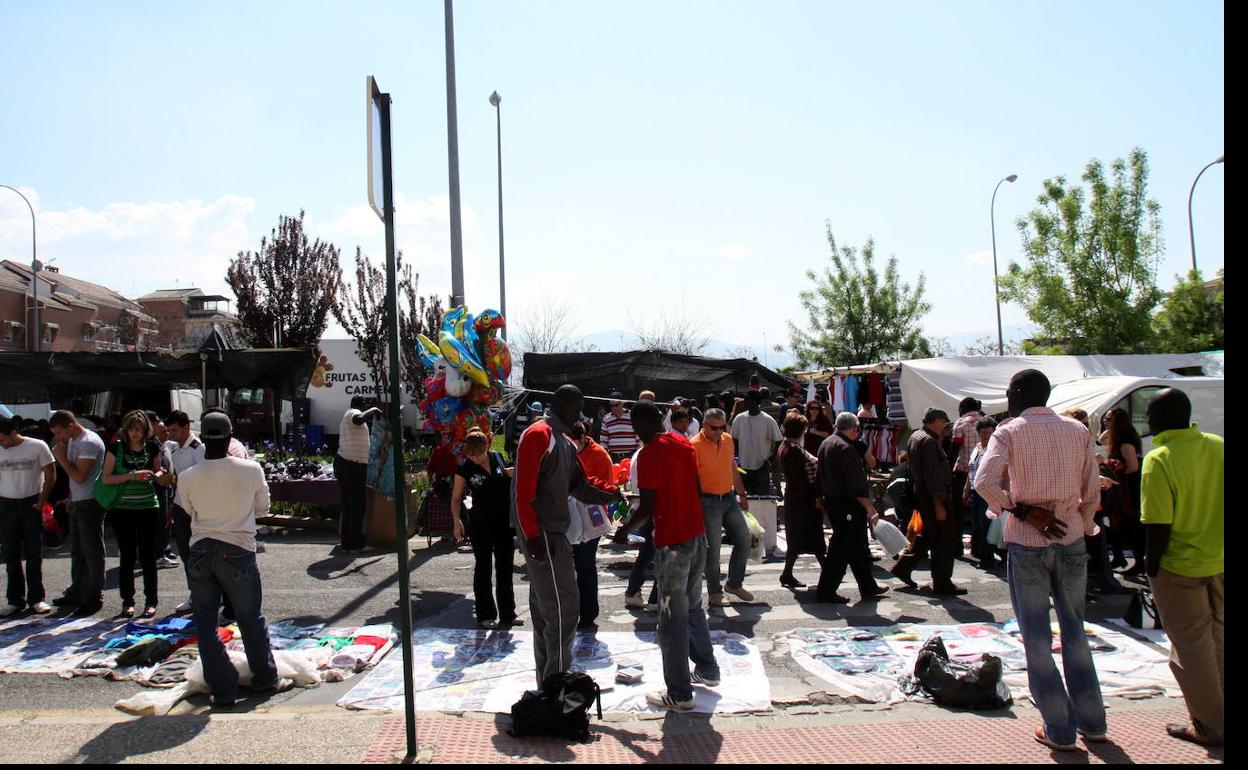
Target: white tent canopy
(943, 382)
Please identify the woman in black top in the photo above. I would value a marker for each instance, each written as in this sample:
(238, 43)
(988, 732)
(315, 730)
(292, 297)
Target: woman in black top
(133, 462)
(803, 508)
(1125, 448)
(483, 476)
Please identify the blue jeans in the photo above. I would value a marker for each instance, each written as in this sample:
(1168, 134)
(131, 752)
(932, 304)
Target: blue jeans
(1061, 572)
(683, 633)
(218, 568)
(21, 536)
(585, 560)
(719, 514)
(645, 557)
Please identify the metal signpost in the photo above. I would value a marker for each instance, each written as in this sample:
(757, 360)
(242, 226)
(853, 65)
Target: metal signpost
(381, 198)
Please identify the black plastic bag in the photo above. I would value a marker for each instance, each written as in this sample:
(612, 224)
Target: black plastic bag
(952, 683)
(1141, 607)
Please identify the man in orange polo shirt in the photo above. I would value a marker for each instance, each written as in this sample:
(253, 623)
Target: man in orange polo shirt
(723, 500)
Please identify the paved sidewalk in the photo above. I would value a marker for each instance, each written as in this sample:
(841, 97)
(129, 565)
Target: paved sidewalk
(908, 734)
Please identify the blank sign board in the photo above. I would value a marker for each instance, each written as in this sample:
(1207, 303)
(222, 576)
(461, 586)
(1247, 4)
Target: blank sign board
(376, 188)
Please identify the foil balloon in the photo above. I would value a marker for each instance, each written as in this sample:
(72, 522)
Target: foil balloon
(469, 365)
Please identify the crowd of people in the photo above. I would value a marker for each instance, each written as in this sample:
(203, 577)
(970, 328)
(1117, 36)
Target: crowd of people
(1054, 493)
(1062, 501)
(158, 486)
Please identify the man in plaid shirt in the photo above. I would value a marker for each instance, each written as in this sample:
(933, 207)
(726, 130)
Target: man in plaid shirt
(1053, 494)
(965, 438)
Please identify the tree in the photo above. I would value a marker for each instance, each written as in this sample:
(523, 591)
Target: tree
(857, 315)
(681, 333)
(547, 328)
(986, 345)
(288, 285)
(361, 310)
(1091, 279)
(1193, 318)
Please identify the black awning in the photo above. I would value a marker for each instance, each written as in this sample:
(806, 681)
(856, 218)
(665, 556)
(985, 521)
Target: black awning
(28, 378)
(667, 374)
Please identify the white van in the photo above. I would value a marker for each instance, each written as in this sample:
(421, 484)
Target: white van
(1097, 395)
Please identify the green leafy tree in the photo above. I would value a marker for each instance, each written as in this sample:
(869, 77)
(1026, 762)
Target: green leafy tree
(289, 287)
(857, 314)
(1090, 283)
(1193, 318)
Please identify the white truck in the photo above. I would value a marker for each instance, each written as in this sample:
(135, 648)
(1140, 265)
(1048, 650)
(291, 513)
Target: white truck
(1097, 395)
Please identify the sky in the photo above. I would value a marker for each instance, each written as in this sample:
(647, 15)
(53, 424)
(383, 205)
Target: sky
(658, 158)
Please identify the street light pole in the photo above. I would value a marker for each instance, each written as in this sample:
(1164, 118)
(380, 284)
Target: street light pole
(34, 264)
(496, 100)
(992, 215)
(1191, 231)
(452, 147)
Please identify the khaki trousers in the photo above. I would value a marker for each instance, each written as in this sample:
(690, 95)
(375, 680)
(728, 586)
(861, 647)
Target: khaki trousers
(1192, 612)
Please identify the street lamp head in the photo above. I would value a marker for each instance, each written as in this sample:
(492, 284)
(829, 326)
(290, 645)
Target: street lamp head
(1221, 158)
(1011, 178)
(495, 98)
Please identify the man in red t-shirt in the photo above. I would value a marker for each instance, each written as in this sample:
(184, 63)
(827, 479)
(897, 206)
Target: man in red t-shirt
(667, 475)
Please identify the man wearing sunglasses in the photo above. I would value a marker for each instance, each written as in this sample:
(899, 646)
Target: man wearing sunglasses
(723, 499)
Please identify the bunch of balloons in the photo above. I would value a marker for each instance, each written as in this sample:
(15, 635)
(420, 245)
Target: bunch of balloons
(470, 363)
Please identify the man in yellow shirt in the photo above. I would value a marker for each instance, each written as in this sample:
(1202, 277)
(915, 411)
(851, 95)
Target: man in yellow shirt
(723, 499)
(1183, 510)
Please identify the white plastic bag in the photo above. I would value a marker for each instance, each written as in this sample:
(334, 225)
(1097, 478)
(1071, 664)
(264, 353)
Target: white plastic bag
(996, 532)
(893, 539)
(756, 537)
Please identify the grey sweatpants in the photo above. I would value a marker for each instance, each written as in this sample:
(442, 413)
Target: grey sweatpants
(554, 605)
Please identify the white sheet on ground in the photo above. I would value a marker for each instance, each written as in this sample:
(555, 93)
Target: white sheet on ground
(488, 671)
(868, 663)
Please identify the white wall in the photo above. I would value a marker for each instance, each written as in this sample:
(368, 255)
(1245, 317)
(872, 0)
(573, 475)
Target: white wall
(331, 389)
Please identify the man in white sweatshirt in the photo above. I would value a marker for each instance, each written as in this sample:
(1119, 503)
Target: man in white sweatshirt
(223, 495)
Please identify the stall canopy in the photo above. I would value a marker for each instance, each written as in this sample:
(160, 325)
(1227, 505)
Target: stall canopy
(667, 374)
(29, 378)
(943, 382)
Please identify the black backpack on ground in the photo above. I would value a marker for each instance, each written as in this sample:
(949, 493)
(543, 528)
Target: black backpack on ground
(561, 708)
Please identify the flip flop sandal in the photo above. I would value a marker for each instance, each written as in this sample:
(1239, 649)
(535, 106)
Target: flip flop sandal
(149, 612)
(1043, 738)
(126, 612)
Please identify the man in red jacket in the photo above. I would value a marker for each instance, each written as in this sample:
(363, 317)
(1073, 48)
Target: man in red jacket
(547, 473)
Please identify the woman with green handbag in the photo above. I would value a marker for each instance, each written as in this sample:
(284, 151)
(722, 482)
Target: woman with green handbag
(131, 465)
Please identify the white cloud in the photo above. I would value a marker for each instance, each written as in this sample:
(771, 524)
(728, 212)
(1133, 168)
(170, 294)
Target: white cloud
(131, 247)
(978, 258)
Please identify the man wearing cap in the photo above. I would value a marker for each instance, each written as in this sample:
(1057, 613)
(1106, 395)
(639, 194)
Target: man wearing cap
(223, 495)
(547, 473)
(185, 451)
(618, 435)
(933, 491)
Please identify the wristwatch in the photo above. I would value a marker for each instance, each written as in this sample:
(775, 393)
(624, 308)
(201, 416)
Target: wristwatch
(1021, 512)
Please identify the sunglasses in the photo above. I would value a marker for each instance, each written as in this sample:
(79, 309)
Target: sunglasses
(716, 428)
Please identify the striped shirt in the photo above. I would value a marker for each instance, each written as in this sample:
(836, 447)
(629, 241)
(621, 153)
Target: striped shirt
(1050, 466)
(967, 429)
(618, 434)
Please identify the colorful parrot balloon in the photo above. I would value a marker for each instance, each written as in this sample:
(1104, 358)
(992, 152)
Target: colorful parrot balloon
(470, 363)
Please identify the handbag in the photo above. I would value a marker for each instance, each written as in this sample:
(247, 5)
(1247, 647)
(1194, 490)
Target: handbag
(107, 495)
(996, 532)
(1142, 607)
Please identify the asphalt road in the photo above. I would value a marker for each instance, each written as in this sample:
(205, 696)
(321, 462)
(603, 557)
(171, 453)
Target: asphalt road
(304, 582)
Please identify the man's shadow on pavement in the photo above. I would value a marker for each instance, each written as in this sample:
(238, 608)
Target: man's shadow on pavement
(134, 738)
(685, 739)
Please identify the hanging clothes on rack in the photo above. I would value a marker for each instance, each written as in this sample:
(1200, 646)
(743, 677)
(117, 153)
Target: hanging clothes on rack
(851, 394)
(837, 386)
(875, 390)
(896, 409)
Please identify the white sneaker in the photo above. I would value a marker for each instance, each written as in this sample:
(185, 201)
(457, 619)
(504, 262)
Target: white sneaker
(697, 678)
(665, 701)
(41, 608)
(652, 608)
(635, 601)
(717, 600)
(165, 562)
(182, 608)
(740, 593)
(11, 610)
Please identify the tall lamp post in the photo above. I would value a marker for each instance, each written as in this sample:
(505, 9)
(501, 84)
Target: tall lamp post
(452, 147)
(34, 264)
(1191, 231)
(992, 215)
(496, 100)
